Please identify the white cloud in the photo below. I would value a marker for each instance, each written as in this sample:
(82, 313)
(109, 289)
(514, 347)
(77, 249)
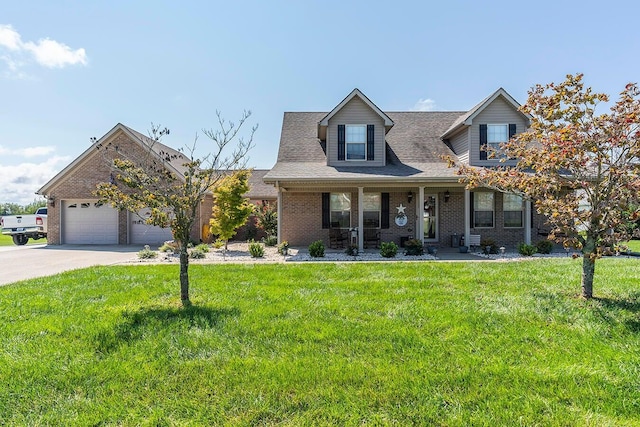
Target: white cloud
(28, 152)
(9, 37)
(46, 52)
(20, 182)
(424, 105)
(52, 54)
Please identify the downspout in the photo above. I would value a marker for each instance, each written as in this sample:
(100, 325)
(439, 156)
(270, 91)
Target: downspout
(527, 222)
(279, 203)
(420, 215)
(467, 216)
(360, 219)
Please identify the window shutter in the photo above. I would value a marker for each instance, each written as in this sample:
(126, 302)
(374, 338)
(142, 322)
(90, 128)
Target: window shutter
(341, 145)
(384, 210)
(531, 217)
(326, 214)
(512, 130)
(471, 209)
(483, 142)
(370, 142)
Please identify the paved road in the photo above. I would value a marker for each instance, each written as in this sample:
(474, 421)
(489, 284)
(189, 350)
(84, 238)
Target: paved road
(30, 261)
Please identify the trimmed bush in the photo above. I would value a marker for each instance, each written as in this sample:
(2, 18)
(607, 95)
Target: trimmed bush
(197, 254)
(256, 250)
(316, 249)
(526, 250)
(388, 249)
(352, 250)
(218, 244)
(250, 231)
(413, 247)
(147, 253)
(270, 240)
(170, 245)
(203, 247)
(544, 246)
(490, 244)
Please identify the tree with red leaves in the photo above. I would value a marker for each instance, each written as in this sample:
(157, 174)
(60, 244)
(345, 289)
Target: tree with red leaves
(581, 169)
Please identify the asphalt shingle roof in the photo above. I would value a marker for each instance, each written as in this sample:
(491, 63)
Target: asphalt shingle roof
(258, 189)
(177, 160)
(414, 150)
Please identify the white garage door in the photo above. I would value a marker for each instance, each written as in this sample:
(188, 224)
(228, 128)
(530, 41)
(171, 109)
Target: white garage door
(88, 222)
(144, 234)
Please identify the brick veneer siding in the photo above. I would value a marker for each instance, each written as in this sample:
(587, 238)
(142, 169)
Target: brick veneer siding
(53, 224)
(302, 219)
(450, 215)
(80, 182)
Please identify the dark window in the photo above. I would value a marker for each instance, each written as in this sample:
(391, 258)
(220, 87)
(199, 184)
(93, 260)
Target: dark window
(512, 207)
(340, 210)
(371, 204)
(483, 209)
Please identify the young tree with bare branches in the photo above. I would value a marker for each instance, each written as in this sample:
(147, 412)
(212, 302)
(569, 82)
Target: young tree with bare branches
(174, 184)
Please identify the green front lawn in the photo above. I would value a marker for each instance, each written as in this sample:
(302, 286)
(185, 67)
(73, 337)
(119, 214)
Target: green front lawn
(6, 240)
(478, 343)
(634, 245)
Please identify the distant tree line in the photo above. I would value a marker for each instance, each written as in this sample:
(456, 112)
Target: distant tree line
(16, 209)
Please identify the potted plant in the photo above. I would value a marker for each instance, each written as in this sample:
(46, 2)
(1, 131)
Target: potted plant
(352, 250)
(283, 248)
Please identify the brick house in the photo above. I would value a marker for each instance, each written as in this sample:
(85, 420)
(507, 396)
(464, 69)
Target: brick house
(359, 174)
(76, 217)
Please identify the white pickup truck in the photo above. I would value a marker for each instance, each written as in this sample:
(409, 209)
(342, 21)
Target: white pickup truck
(23, 227)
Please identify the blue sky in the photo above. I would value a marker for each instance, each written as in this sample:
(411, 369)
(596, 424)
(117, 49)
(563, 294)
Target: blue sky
(72, 70)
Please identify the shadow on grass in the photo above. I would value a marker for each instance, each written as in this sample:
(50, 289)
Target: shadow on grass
(625, 310)
(622, 311)
(146, 323)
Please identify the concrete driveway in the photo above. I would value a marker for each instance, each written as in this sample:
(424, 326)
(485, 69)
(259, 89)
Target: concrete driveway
(30, 261)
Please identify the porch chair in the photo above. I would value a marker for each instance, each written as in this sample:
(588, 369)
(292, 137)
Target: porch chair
(337, 238)
(371, 237)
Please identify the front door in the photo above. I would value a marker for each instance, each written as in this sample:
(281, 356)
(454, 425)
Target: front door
(430, 217)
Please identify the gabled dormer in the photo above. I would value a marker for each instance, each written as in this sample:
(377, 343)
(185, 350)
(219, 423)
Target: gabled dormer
(493, 121)
(354, 132)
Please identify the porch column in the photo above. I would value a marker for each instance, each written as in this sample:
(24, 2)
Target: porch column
(279, 202)
(527, 222)
(419, 215)
(360, 219)
(467, 216)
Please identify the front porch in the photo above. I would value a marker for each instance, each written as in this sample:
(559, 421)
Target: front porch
(364, 216)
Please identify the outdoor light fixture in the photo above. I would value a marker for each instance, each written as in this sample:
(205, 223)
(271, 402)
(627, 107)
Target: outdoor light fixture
(52, 201)
(410, 196)
(447, 195)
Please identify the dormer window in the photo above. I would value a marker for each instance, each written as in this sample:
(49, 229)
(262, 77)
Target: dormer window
(496, 135)
(356, 140)
(492, 136)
